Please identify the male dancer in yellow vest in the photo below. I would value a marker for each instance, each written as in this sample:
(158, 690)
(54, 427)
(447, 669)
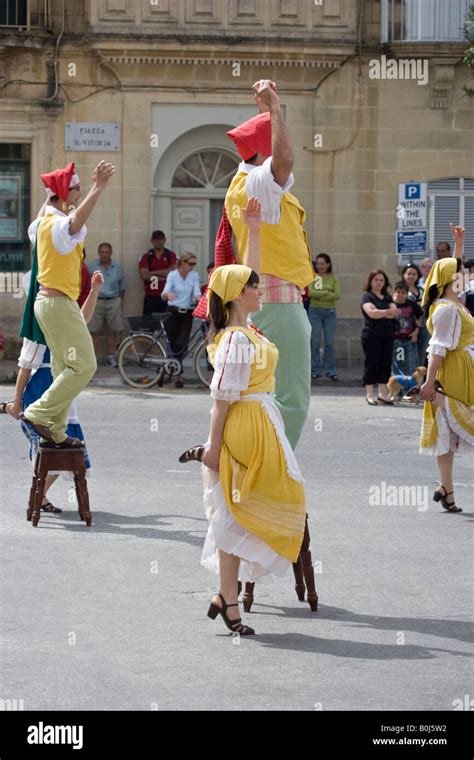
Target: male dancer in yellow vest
(59, 241)
(266, 172)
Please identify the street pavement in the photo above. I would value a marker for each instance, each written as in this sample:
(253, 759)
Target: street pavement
(114, 617)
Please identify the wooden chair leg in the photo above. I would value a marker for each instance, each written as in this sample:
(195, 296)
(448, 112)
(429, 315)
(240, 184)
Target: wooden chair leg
(78, 496)
(299, 579)
(248, 596)
(38, 498)
(83, 497)
(308, 569)
(31, 500)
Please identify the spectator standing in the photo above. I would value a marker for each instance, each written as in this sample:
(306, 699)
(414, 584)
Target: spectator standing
(108, 311)
(324, 292)
(182, 291)
(443, 250)
(425, 269)
(154, 267)
(412, 276)
(210, 267)
(377, 337)
(405, 349)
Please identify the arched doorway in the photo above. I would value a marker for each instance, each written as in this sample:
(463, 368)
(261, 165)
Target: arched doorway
(197, 169)
(199, 187)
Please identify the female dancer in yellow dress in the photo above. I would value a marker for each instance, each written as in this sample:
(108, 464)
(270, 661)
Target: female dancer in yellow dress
(253, 488)
(448, 416)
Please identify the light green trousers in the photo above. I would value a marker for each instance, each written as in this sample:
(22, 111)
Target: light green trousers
(73, 362)
(287, 326)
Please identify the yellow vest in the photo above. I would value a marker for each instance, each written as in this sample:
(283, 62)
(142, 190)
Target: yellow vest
(284, 249)
(55, 270)
(263, 365)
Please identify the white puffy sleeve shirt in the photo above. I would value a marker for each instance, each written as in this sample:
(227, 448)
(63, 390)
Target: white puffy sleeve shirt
(232, 364)
(63, 241)
(446, 330)
(261, 184)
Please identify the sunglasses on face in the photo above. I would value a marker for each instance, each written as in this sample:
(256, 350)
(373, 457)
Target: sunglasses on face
(191, 263)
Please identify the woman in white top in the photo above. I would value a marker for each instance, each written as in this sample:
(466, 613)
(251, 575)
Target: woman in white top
(182, 291)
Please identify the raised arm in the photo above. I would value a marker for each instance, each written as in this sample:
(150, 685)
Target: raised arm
(100, 178)
(458, 237)
(88, 307)
(253, 219)
(283, 156)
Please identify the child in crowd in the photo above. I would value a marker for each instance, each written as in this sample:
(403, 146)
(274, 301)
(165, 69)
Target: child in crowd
(405, 350)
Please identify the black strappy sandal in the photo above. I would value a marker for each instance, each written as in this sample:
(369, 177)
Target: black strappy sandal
(195, 454)
(449, 506)
(50, 508)
(236, 625)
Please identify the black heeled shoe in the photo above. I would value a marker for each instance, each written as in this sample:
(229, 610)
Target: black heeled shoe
(449, 506)
(194, 454)
(236, 625)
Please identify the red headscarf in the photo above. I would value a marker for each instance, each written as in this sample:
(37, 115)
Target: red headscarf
(60, 181)
(253, 136)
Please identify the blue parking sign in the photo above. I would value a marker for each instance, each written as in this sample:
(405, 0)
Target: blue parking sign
(413, 191)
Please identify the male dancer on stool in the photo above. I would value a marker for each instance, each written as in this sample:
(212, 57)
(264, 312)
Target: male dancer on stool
(266, 172)
(59, 241)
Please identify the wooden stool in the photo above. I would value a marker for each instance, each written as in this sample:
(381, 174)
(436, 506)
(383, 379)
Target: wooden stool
(51, 459)
(304, 574)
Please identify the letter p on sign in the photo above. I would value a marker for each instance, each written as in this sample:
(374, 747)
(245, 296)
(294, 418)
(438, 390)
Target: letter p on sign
(412, 192)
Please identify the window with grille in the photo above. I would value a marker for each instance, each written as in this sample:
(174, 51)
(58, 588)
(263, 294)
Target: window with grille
(423, 20)
(15, 160)
(24, 14)
(206, 170)
(451, 200)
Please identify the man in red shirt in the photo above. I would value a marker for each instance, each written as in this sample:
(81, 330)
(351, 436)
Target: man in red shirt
(154, 267)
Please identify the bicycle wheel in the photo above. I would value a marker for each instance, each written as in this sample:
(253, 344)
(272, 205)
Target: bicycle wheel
(139, 360)
(201, 365)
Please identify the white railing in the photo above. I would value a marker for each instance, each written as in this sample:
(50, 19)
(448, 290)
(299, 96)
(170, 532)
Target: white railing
(423, 20)
(25, 14)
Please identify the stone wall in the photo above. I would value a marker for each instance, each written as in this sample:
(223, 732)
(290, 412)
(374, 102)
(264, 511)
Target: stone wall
(374, 133)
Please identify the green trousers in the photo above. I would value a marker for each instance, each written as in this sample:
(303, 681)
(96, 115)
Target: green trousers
(287, 326)
(73, 362)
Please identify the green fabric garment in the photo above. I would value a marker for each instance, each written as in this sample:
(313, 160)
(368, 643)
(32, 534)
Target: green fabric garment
(325, 296)
(29, 325)
(73, 362)
(287, 326)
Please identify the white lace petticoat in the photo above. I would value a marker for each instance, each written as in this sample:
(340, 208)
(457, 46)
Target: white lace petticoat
(451, 436)
(258, 561)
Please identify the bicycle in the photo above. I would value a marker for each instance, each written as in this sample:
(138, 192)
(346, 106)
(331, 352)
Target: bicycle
(145, 358)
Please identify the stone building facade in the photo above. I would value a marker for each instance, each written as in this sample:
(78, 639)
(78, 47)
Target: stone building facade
(172, 76)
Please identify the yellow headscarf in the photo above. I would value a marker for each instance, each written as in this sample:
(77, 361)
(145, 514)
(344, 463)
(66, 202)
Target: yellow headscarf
(442, 273)
(228, 282)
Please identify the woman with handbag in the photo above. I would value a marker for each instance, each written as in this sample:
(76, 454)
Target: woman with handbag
(253, 488)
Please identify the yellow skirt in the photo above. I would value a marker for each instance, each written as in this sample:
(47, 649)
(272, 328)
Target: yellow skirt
(261, 481)
(451, 429)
